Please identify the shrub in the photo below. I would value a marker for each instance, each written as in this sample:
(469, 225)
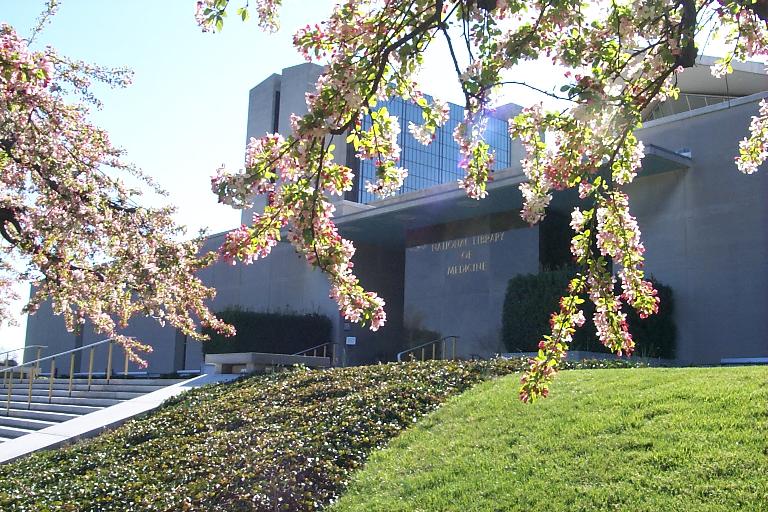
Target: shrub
(532, 298)
(528, 304)
(275, 333)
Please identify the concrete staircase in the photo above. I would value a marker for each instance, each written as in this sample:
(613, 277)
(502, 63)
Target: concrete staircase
(20, 416)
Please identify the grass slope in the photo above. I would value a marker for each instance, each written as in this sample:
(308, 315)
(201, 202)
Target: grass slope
(631, 440)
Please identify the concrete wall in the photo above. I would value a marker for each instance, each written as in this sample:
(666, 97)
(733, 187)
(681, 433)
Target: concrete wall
(261, 108)
(282, 282)
(292, 84)
(455, 284)
(381, 270)
(45, 328)
(296, 82)
(704, 230)
(705, 235)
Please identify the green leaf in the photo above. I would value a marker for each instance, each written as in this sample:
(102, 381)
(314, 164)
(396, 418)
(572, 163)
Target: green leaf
(243, 13)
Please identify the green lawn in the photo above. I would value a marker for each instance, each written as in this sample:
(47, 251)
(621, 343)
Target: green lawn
(640, 439)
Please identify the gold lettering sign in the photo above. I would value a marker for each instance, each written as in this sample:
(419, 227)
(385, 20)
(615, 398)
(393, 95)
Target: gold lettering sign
(466, 260)
(466, 268)
(462, 243)
(465, 253)
(449, 244)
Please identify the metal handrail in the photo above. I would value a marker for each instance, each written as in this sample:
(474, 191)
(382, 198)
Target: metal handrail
(314, 350)
(434, 343)
(25, 347)
(46, 358)
(23, 355)
(34, 370)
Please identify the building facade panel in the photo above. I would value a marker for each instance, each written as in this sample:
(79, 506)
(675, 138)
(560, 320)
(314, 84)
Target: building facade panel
(456, 286)
(704, 231)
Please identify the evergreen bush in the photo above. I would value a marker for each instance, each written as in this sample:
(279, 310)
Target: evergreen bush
(274, 333)
(532, 298)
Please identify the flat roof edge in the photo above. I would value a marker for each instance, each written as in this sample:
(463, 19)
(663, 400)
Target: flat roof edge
(735, 102)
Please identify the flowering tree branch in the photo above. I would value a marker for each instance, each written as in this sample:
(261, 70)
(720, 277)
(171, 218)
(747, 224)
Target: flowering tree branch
(621, 58)
(70, 225)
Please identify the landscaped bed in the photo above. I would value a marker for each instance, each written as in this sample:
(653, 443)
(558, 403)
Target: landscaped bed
(637, 439)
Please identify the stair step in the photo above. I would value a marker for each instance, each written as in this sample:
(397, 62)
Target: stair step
(76, 410)
(63, 400)
(44, 386)
(13, 432)
(132, 382)
(24, 423)
(120, 395)
(114, 380)
(21, 416)
(56, 417)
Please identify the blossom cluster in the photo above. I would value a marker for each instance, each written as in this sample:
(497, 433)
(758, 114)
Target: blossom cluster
(379, 143)
(753, 150)
(477, 159)
(435, 115)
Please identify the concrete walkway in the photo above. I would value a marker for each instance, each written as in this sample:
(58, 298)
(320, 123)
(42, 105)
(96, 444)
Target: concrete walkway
(94, 423)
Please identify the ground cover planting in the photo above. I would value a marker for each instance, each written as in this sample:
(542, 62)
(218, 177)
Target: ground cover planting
(283, 442)
(650, 439)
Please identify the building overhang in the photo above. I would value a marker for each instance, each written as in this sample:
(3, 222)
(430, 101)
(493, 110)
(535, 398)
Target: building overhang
(658, 160)
(386, 221)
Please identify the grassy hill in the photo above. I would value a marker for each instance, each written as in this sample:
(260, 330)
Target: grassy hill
(632, 440)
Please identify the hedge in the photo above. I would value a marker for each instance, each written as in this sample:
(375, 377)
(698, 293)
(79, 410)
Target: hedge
(274, 333)
(531, 299)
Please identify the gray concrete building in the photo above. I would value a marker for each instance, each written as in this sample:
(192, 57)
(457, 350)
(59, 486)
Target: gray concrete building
(442, 261)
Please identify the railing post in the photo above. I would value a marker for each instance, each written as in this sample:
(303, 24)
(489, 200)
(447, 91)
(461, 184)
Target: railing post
(5, 374)
(71, 371)
(125, 367)
(109, 362)
(325, 348)
(31, 377)
(51, 379)
(422, 353)
(90, 368)
(454, 346)
(10, 392)
(37, 364)
(434, 351)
